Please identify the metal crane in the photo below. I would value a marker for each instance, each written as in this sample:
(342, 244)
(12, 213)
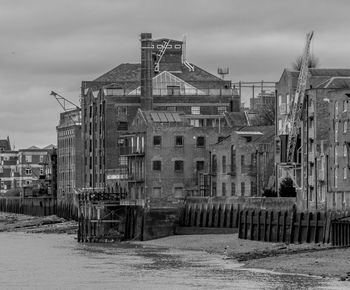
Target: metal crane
(63, 103)
(294, 118)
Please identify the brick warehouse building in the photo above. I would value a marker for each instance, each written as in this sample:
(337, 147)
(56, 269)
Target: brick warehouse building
(167, 156)
(69, 152)
(164, 80)
(323, 143)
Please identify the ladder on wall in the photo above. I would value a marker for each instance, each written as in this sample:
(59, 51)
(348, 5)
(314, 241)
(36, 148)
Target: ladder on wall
(160, 54)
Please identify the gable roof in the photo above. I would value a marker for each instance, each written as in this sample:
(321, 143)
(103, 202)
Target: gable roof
(123, 72)
(322, 77)
(161, 81)
(131, 73)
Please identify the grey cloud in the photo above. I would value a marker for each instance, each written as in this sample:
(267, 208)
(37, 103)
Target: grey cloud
(54, 45)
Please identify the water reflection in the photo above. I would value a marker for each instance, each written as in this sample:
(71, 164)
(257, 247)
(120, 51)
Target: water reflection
(59, 262)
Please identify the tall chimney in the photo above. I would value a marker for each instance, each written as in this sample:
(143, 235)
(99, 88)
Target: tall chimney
(146, 71)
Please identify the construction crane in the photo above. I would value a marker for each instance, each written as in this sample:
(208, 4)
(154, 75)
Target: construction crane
(295, 116)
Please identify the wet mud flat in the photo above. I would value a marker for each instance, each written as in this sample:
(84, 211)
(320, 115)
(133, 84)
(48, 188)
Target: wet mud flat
(310, 259)
(319, 260)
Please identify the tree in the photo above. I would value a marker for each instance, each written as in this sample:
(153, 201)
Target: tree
(287, 189)
(312, 63)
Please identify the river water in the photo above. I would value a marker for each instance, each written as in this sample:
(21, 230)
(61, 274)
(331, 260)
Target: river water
(50, 261)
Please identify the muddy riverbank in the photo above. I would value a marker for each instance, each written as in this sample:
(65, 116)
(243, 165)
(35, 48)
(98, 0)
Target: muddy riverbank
(311, 259)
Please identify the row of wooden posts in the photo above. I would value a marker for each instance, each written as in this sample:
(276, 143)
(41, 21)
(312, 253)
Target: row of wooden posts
(38, 206)
(271, 225)
(210, 215)
(111, 221)
(285, 226)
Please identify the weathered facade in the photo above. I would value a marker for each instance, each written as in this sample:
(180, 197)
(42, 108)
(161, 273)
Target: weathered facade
(69, 154)
(37, 170)
(167, 157)
(243, 163)
(320, 172)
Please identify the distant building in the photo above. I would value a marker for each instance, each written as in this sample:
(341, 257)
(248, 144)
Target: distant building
(320, 169)
(164, 81)
(242, 163)
(69, 154)
(29, 171)
(9, 176)
(37, 169)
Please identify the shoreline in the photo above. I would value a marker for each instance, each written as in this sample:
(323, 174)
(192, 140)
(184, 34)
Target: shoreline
(305, 259)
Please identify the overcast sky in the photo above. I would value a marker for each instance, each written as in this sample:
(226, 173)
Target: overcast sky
(53, 45)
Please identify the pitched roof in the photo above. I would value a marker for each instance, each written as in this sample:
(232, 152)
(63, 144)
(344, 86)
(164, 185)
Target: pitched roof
(319, 77)
(121, 73)
(131, 73)
(267, 131)
(340, 72)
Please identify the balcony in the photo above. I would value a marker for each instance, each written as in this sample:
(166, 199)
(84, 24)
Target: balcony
(131, 151)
